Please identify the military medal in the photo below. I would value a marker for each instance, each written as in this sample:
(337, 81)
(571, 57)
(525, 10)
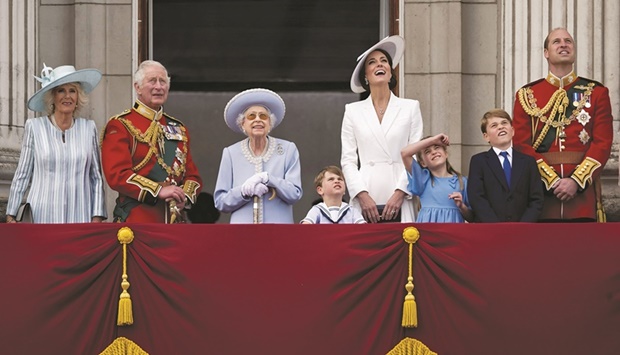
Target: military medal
(583, 117)
(577, 98)
(588, 103)
(584, 137)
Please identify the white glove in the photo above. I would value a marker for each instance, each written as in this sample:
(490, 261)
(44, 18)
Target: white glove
(260, 189)
(247, 189)
(264, 177)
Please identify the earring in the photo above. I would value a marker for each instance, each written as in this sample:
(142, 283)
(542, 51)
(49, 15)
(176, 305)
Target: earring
(366, 80)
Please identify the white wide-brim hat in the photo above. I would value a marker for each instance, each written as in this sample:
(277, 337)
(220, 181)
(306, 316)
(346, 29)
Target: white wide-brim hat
(65, 74)
(253, 97)
(394, 45)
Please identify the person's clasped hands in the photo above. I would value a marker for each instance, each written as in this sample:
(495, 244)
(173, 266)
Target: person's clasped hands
(255, 185)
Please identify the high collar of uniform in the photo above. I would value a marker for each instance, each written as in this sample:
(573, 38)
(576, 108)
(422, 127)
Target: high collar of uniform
(563, 81)
(147, 111)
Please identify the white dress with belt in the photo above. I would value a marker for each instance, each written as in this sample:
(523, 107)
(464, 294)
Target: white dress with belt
(377, 145)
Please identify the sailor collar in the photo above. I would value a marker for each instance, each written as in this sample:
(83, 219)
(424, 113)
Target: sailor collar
(561, 82)
(147, 111)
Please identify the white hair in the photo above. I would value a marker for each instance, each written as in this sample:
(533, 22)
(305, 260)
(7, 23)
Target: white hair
(138, 77)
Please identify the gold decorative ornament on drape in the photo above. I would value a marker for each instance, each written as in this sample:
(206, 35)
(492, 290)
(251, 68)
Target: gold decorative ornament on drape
(409, 346)
(410, 312)
(125, 313)
(123, 346)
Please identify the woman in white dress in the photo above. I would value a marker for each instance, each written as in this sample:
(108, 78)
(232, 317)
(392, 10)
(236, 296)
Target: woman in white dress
(60, 158)
(374, 131)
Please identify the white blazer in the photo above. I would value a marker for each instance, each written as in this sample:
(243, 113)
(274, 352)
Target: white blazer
(377, 146)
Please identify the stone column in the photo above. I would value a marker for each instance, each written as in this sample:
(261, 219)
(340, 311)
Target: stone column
(17, 52)
(595, 26)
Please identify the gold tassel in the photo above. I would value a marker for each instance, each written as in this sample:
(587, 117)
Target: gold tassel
(601, 217)
(410, 346)
(123, 346)
(410, 311)
(125, 313)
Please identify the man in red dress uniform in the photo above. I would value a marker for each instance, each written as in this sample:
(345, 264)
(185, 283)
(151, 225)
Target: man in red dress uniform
(564, 121)
(146, 156)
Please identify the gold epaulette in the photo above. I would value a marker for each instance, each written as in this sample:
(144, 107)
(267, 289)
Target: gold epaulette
(547, 174)
(102, 134)
(124, 113)
(584, 171)
(172, 118)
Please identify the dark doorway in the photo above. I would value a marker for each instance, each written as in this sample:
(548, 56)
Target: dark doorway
(291, 45)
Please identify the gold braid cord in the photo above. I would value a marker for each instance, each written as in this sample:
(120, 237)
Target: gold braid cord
(410, 312)
(123, 346)
(409, 346)
(125, 313)
(556, 106)
(154, 137)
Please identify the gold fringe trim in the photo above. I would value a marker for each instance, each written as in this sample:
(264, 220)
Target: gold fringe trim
(410, 311)
(123, 346)
(410, 346)
(125, 313)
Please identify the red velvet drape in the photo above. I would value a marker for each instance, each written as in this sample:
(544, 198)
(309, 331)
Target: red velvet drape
(298, 289)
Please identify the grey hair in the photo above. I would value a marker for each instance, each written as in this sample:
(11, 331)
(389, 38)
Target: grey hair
(138, 77)
(82, 101)
(241, 117)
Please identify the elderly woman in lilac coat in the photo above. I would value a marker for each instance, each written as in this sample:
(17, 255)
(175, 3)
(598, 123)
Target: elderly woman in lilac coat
(260, 177)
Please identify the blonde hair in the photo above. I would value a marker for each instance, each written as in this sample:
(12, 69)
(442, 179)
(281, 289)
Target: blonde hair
(451, 170)
(82, 101)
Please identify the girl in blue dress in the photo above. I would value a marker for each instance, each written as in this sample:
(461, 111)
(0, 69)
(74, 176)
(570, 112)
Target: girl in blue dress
(442, 190)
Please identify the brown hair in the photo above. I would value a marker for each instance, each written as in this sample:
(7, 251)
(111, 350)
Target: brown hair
(449, 167)
(318, 180)
(496, 112)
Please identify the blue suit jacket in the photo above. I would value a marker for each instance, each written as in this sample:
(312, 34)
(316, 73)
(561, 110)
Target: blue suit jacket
(492, 200)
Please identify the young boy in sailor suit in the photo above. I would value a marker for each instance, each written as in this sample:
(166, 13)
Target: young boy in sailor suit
(331, 187)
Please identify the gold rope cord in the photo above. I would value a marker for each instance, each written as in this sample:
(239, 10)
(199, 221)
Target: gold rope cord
(558, 104)
(410, 312)
(410, 346)
(123, 346)
(151, 137)
(125, 313)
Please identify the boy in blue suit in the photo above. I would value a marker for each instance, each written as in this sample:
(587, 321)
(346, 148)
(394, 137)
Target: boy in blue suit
(504, 184)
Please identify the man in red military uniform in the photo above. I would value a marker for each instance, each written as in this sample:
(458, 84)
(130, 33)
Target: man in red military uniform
(564, 121)
(146, 156)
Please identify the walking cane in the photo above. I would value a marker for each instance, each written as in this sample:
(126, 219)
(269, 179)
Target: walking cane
(255, 209)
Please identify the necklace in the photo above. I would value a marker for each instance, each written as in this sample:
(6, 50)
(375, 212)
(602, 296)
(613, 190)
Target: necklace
(53, 119)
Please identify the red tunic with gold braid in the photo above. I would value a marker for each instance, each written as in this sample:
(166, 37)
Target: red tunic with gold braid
(142, 151)
(567, 126)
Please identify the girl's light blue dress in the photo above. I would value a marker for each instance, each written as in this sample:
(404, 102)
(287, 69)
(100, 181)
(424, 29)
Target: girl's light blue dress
(436, 205)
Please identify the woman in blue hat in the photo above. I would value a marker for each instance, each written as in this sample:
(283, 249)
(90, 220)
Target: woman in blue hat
(260, 177)
(60, 159)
